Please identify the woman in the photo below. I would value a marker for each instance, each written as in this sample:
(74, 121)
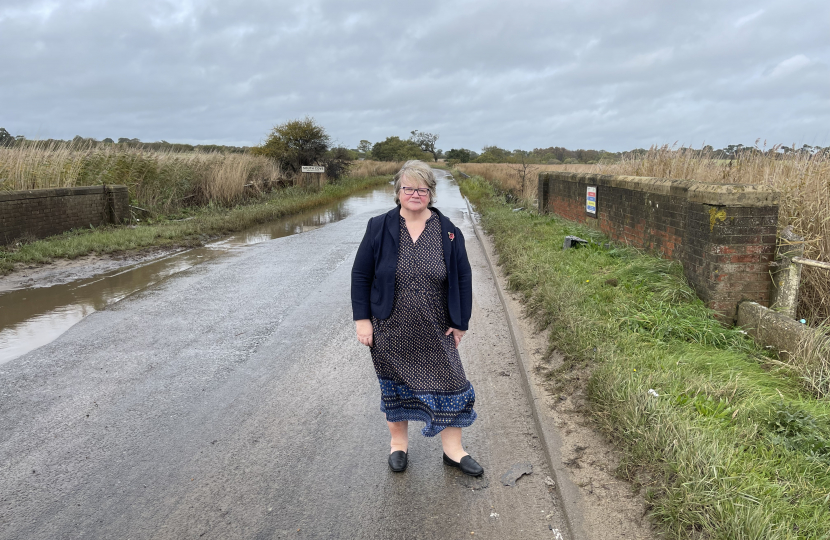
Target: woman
(412, 298)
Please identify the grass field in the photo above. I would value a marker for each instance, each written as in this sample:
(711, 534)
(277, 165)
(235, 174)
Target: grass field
(723, 438)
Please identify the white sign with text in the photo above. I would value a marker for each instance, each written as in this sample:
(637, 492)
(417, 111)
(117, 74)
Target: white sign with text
(591, 201)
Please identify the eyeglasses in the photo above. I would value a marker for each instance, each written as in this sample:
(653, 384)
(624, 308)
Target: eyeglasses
(423, 192)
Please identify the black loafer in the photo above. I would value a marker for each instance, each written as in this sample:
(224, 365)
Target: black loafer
(398, 461)
(467, 465)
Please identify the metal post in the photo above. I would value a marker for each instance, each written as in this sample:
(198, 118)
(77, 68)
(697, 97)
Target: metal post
(786, 274)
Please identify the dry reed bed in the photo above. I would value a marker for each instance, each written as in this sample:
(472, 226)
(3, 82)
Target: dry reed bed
(160, 181)
(514, 178)
(367, 168)
(802, 179)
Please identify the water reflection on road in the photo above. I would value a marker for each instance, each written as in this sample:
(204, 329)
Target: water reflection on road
(32, 317)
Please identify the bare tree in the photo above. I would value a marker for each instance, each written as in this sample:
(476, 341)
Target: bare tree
(6, 138)
(426, 141)
(525, 171)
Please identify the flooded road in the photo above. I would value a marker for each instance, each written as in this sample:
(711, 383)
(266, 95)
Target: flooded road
(33, 317)
(232, 400)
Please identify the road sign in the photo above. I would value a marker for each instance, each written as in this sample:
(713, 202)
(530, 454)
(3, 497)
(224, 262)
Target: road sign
(313, 168)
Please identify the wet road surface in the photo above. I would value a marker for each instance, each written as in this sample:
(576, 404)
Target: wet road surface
(31, 317)
(232, 400)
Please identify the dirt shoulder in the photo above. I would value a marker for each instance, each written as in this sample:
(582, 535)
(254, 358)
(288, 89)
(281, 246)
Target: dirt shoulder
(61, 271)
(608, 508)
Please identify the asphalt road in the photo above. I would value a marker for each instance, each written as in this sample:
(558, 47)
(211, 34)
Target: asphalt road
(233, 401)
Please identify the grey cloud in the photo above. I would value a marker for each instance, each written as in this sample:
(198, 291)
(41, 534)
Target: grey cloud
(611, 75)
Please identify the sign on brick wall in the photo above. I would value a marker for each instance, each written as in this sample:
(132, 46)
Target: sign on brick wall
(591, 201)
(725, 235)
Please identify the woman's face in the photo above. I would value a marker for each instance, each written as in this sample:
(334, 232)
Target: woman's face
(415, 202)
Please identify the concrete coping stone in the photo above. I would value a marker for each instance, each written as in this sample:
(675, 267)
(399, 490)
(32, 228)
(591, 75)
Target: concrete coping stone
(773, 329)
(57, 192)
(743, 195)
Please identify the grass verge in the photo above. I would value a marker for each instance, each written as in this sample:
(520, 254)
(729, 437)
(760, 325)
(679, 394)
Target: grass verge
(201, 225)
(723, 438)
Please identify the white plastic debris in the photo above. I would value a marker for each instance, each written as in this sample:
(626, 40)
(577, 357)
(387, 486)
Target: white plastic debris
(653, 392)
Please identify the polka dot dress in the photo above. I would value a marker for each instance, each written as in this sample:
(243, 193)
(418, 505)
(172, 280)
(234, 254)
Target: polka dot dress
(420, 372)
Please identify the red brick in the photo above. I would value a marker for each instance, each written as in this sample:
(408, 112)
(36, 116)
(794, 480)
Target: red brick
(745, 258)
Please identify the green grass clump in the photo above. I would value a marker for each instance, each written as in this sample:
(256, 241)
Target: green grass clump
(725, 439)
(203, 224)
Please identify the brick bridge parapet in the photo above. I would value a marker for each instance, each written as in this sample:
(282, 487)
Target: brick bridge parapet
(724, 234)
(38, 213)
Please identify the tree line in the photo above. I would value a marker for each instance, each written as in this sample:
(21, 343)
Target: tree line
(304, 142)
(9, 140)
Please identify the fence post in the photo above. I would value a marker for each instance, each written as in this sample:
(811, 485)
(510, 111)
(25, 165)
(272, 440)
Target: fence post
(786, 273)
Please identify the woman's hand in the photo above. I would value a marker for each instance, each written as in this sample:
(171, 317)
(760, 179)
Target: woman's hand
(456, 334)
(364, 331)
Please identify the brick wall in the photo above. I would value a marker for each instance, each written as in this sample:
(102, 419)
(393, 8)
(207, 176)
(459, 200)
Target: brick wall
(723, 234)
(40, 213)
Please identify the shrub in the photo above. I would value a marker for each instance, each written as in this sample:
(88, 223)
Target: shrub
(296, 143)
(461, 155)
(396, 149)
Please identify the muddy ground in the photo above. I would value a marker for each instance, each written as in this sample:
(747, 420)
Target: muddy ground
(62, 271)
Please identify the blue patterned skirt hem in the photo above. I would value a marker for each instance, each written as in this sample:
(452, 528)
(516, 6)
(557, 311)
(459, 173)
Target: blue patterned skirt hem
(438, 410)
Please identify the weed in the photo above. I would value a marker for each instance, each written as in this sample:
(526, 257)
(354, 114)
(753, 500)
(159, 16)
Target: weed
(798, 431)
(717, 409)
(811, 359)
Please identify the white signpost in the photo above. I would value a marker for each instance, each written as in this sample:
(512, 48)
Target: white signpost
(313, 168)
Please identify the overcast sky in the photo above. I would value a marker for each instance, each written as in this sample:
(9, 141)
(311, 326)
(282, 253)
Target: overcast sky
(604, 74)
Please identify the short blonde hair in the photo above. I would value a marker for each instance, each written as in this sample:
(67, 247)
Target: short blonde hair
(416, 171)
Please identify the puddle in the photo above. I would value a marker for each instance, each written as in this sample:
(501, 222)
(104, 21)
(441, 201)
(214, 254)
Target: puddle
(30, 318)
(33, 317)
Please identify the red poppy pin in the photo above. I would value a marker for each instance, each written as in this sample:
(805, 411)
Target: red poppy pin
(451, 235)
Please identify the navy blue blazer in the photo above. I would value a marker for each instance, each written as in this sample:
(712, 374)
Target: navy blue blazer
(376, 263)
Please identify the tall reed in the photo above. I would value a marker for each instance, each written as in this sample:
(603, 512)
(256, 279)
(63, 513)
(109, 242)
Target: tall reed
(161, 181)
(367, 168)
(518, 180)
